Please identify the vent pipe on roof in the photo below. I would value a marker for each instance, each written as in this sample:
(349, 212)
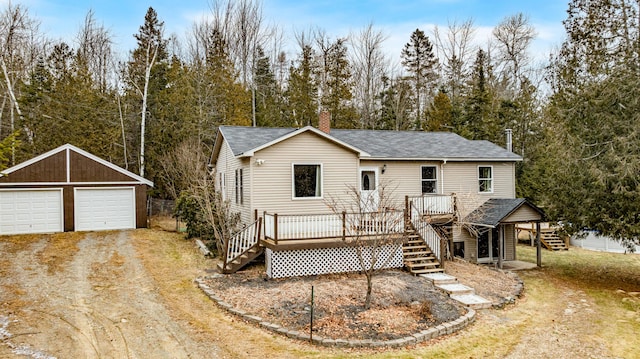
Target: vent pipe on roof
(509, 134)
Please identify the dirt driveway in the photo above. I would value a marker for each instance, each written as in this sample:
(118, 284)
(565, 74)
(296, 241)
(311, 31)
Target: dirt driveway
(85, 295)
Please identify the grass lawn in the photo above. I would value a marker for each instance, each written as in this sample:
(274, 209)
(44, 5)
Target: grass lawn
(580, 304)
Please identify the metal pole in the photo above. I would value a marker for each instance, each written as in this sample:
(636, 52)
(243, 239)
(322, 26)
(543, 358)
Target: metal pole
(311, 322)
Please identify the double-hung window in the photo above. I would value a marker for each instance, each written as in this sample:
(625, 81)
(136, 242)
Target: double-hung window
(429, 179)
(307, 180)
(485, 179)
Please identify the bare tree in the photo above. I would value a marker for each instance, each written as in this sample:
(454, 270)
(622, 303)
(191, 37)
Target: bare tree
(454, 47)
(369, 66)
(514, 35)
(186, 173)
(373, 228)
(20, 45)
(95, 50)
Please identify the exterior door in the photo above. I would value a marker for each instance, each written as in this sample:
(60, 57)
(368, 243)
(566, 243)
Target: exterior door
(488, 249)
(369, 195)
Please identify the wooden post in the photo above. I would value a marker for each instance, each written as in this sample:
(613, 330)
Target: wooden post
(442, 250)
(538, 246)
(255, 214)
(344, 225)
(500, 246)
(275, 228)
(406, 207)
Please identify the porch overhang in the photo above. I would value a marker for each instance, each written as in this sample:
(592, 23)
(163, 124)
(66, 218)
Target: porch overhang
(497, 211)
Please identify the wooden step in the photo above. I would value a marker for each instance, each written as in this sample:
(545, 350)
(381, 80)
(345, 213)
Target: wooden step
(421, 265)
(421, 253)
(416, 259)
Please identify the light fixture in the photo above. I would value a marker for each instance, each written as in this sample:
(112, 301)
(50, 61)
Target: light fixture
(384, 168)
(260, 162)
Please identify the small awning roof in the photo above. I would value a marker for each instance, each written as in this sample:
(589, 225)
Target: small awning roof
(497, 211)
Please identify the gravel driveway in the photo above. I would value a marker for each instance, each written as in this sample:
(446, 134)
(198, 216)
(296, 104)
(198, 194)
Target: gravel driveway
(84, 295)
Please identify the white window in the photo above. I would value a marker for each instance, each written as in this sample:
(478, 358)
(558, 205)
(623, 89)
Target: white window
(429, 179)
(223, 185)
(307, 180)
(239, 189)
(485, 179)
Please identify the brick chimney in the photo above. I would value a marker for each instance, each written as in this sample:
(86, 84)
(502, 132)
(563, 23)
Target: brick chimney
(324, 123)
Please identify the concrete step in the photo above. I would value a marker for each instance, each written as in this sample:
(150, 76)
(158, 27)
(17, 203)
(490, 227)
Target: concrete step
(424, 271)
(473, 301)
(440, 278)
(456, 289)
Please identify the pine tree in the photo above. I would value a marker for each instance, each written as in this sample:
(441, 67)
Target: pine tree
(302, 92)
(420, 61)
(592, 129)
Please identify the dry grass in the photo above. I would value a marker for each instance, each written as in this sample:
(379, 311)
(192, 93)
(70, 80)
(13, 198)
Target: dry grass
(60, 248)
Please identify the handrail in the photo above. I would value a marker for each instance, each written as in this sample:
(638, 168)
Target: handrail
(332, 225)
(433, 204)
(242, 241)
(426, 231)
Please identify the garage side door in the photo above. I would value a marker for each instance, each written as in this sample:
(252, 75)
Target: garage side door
(30, 211)
(104, 208)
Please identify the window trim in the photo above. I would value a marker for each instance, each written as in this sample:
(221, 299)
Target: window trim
(293, 181)
(223, 185)
(239, 186)
(430, 180)
(490, 179)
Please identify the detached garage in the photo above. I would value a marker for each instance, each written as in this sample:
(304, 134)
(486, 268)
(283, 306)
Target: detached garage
(68, 189)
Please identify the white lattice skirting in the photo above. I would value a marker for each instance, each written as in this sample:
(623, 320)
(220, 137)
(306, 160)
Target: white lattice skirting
(327, 260)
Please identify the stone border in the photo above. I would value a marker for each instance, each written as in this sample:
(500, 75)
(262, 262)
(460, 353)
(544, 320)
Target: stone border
(431, 333)
(518, 292)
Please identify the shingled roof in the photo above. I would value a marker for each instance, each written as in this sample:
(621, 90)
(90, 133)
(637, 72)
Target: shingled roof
(495, 210)
(379, 144)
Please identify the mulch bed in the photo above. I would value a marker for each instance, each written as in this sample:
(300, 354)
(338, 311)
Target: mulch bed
(402, 304)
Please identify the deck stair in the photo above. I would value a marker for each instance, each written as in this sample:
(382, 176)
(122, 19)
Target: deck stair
(458, 291)
(550, 239)
(418, 257)
(241, 261)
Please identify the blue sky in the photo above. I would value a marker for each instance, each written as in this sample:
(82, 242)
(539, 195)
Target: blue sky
(395, 18)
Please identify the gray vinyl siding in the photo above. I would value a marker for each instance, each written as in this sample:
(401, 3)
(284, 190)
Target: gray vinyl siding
(461, 234)
(524, 214)
(510, 242)
(461, 178)
(228, 164)
(402, 178)
(272, 181)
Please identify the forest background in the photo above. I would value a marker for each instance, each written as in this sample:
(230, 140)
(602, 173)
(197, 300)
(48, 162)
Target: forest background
(574, 118)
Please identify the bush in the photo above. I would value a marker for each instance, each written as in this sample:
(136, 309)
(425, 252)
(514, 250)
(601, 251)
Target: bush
(188, 210)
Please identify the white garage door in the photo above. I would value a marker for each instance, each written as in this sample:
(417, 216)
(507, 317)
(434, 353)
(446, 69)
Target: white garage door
(104, 208)
(30, 211)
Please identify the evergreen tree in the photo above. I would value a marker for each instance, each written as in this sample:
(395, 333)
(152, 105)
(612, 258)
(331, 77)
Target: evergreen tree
(439, 116)
(336, 85)
(592, 129)
(302, 92)
(420, 61)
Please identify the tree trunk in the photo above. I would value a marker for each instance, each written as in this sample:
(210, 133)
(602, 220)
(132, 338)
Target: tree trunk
(367, 301)
(145, 94)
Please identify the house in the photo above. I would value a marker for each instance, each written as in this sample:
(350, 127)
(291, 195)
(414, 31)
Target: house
(284, 177)
(69, 189)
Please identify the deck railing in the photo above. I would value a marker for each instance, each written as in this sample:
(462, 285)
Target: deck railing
(242, 241)
(426, 231)
(433, 204)
(332, 225)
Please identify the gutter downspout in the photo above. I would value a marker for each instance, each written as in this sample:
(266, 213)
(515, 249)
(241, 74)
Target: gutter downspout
(444, 162)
